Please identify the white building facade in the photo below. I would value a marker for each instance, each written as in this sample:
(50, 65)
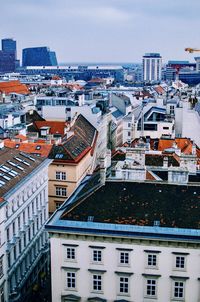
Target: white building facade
(152, 65)
(24, 210)
(98, 267)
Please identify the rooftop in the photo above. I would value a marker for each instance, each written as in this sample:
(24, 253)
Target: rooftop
(13, 87)
(77, 145)
(131, 203)
(37, 148)
(15, 166)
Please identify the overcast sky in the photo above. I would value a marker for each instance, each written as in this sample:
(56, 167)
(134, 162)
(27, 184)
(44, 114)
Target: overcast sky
(103, 30)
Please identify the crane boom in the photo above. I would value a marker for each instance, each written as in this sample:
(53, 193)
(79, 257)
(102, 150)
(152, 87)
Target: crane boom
(191, 50)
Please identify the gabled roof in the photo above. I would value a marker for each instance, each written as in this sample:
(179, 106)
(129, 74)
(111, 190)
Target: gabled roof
(74, 148)
(13, 87)
(84, 129)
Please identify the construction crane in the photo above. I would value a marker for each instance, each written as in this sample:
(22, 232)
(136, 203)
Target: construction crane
(191, 50)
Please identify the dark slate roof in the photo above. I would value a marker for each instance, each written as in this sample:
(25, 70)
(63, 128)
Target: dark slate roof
(141, 204)
(30, 118)
(18, 165)
(84, 129)
(77, 145)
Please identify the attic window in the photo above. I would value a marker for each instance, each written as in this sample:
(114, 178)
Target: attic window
(59, 156)
(38, 147)
(17, 146)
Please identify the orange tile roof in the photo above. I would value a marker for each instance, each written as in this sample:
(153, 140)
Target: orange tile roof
(184, 144)
(159, 89)
(28, 147)
(55, 127)
(13, 87)
(21, 137)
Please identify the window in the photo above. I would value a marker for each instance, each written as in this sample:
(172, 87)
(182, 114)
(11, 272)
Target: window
(8, 234)
(178, 290)
(171, 109)
(129, 125)
(13, 228)
(60, 175)
(151, 287)
(129, 133)
(71, 280)
(61, 191)
(57, 204)
(97, 255)
(180, 262)
(8, 259)
(1, 267)
(124, 258)
(152, 260)
(124, 285)
(70, 255)
(18, 222)
(97, 282)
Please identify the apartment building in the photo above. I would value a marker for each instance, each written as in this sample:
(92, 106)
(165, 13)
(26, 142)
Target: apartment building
(24, 210)
(73, 159)
(125, 241)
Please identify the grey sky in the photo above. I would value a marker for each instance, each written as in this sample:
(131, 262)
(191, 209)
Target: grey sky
(103, 30)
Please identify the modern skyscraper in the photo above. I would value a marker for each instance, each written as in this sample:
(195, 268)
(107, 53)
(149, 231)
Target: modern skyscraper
(38, 56)
(152, 64)
(9, 45)
(8, 55)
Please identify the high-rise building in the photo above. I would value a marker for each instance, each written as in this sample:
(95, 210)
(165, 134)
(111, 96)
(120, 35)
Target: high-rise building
(8, 55)
(152, 65)
(9, 45)
(38, 56)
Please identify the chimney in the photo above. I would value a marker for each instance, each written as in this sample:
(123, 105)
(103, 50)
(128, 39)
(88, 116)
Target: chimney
(194, 150)
(102, 169)
(165, 162)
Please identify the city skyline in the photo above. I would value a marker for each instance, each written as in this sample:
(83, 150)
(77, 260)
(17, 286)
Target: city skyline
(105, 31)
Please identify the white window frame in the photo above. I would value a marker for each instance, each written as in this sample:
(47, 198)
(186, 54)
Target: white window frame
(61, 191)
(97, 280)
(61, 175)
(124, 285)
(97, 256)
(149, 286)
(180, 262)
(124, 258)
(70, 253)
(176, 285)
(151, 258)
(71, 280)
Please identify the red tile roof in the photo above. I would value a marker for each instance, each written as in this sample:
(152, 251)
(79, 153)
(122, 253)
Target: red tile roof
(28, 147)
(55, 127)
(184, 144)
(21, 137)
(13, 87)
